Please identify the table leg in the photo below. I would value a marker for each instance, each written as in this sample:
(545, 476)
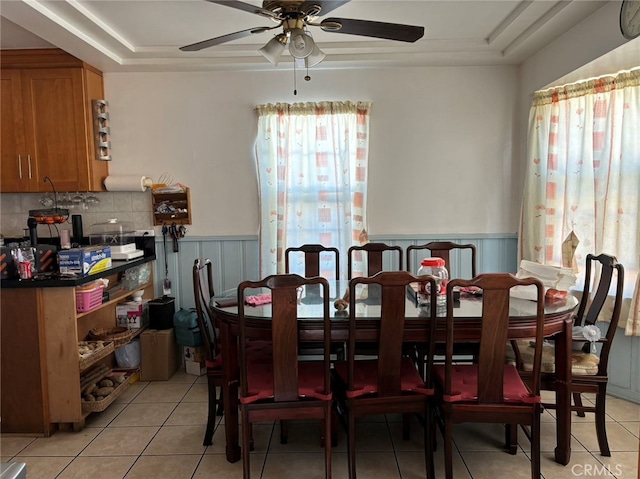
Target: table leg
(563, 393)
(229, 348)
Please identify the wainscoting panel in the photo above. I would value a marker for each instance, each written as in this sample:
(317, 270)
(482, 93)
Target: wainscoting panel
(237, 258)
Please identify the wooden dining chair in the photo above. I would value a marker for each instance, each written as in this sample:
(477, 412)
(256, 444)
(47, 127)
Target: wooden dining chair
(390, 383)
(490, 391)
(375, 253)
(444, 250)
(312, 255)
(284, 388)
(589, 368)
(203, 292)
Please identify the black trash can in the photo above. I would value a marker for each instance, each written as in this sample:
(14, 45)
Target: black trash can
(161, 311)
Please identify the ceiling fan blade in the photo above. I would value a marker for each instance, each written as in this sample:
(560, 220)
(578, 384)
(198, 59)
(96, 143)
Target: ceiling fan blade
(321, 6)
(247, 7)
(194, 47)
(366, 28)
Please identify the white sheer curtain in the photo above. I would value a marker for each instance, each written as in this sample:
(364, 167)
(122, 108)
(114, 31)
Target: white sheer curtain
(312, 174)
(583, 175)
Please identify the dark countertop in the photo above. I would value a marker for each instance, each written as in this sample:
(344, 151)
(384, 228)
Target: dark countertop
(54, 282)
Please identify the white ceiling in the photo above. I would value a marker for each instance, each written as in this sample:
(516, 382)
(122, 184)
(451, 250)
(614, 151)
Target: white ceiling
(144, 35)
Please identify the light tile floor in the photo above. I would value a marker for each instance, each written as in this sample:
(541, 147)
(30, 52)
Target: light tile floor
(155, 430)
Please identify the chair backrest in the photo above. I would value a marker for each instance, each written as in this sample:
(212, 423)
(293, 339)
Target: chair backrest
(312, 254)
(443, 249)
(591, 305)
(203, 292)
(393, 301)
(284, 291)
(494, 333)
(375, 257)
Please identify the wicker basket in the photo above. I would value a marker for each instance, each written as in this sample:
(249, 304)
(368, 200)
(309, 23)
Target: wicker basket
(97, 355)
(120, 336)
(98, 406)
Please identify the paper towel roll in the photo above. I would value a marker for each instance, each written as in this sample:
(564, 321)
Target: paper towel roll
(127, 183)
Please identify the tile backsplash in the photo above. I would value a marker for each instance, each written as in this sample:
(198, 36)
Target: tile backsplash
(135, 207)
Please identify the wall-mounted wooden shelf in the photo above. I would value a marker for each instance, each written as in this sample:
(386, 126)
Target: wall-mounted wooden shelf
(178, 206)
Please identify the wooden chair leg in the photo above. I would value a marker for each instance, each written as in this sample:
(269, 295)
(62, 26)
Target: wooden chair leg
(511, 438)
(351, 445)
(448, 449)
(535, 444)
(250, 436)
(406, 426)
(211, 415)
(284, 432)
(247, 446)
(429, 446)
(334, 427)
(220, 411)
(577, 400)
(601, 430)
(328, 438)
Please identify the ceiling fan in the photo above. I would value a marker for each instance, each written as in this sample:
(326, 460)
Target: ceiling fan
(294, 16)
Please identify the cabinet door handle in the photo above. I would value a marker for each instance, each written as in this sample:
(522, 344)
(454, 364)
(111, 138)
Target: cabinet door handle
(29, 160)
(20, 166)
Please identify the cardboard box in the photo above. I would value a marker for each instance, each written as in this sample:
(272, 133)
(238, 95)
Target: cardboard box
(84, 261)
(160, 357)
(197, 368)
(132, 314)
(194, 353)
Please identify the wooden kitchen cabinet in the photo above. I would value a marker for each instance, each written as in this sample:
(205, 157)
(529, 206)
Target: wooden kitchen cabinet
(47, 122)
(40, 368)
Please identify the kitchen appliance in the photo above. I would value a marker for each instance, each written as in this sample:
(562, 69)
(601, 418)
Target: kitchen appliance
(119, 235)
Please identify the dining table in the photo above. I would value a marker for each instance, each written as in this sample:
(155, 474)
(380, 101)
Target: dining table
(467, 309)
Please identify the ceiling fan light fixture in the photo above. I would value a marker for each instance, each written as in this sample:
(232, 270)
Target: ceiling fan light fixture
(314, 58)
(301, 44)
(274, 48)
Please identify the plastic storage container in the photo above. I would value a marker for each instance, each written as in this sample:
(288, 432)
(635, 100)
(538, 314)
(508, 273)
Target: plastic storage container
(434, 267)
(119, 235)
(88, 299)
(113, 233)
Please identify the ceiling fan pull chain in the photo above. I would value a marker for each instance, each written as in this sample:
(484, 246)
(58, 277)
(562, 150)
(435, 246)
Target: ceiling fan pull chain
(295, 86)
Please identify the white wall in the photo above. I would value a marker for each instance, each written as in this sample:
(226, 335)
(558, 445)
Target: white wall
(441, 148)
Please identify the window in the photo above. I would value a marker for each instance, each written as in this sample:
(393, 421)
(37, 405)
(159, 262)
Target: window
(583, 175)
(312, 174)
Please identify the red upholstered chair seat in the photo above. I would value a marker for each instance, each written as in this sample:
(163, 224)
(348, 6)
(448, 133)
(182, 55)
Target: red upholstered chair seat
(464, 384)
(260, 382)
(366, 377)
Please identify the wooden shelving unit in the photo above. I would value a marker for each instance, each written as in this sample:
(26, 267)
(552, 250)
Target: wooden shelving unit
(40, 355)
(178, 203)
